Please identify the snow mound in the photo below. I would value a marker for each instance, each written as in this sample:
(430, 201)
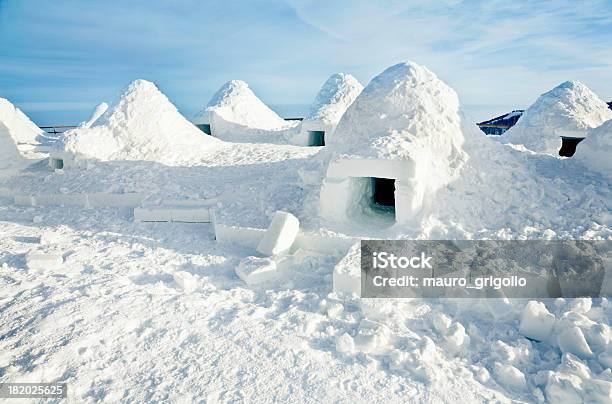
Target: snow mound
(9, 154)
(594, 152)
(570, 109)
(235, 110)
(98, 111)
(143, 125)
(17, 125)
(405, 113)
(337, 94)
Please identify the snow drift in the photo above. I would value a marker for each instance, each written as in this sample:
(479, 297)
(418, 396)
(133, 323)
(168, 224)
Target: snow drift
(337, 94)
(17, 125)
(595, 151)
(568, 110)
(404, 126)
(236, 114)
(143, 125)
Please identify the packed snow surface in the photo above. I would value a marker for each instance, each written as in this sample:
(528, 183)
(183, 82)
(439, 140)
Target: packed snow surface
(128, 311)
(235, 113)
(595, 151)
(142, 125)
(337, 94)
(570, 109)
(17, 125)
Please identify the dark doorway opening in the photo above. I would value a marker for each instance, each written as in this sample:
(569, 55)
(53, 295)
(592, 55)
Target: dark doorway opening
(568, 146)
(316, 138)
(204, 127)
(57, 164)
(383, 192)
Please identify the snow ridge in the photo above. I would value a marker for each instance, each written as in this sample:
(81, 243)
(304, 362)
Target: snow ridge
(570, 109)
(17, 125)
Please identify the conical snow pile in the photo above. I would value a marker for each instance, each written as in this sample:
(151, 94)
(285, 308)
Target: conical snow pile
(98, 111)
(595, 151)
(406, 113)
(143, 125)
(235, 111)
(568, 110)
(337, 94)
(17, 125)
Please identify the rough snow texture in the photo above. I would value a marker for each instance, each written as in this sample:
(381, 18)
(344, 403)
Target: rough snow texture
(337, 94)
(143, 125)
(9, 154)
(235, 113)
(406, 113)
(17, 125)
(98, 111)
(346, 277)
(594, 152)
(569, 110)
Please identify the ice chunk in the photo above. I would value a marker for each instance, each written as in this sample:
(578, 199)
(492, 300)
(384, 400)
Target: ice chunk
(186, 281)
(255, 270)
(509, 376)
(536, 321)
(345, 344)
(41, 260)
(441, 322)
(571, 339)
(347, 273)
(456, 340)
(371, 336)
(280, 235)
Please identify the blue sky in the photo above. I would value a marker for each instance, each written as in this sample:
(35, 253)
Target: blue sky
(59, 58)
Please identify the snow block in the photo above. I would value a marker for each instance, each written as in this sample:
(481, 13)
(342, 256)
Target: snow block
(39, 260)
(186, 281)
(509, 377)
(153, 214)
(255, 270)
(571, 340)
(536, 321)
(347, 273)
(281, 234)
(190, 214)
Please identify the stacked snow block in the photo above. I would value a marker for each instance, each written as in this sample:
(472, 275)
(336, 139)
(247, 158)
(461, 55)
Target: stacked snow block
(188, 214)
(281, 234)
(347, 273)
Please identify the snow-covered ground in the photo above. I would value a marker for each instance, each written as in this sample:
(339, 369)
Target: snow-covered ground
(122, 310)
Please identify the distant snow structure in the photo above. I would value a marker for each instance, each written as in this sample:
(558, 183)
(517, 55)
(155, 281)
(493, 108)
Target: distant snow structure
(142, 125)
(236, 114)
(337, 94)
(500, 124)
(564, 114)
(596, 150)
(17, 125)
(98, 111)
(396, 145)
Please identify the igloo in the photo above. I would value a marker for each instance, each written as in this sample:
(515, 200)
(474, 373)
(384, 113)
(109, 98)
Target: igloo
(594, 153)
(234, 113)
(559, 120)
(337, 94)
(396, 145)
(142, 125)
(17, 125)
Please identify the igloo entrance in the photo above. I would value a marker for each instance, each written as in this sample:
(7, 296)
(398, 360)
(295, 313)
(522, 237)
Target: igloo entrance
(371, 192)
(56, 163)
(316, 138)
(204, 127)
(568, 146)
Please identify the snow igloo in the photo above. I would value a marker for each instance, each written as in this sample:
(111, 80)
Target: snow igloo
(398, 143)
(337, 94)
(559, 120)
(236, 114)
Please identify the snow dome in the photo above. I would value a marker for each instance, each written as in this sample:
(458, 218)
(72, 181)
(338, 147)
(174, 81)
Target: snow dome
(596, 150)
(235, 111)
(396, 145)
(143, 125)
(567, 111)
(17, 125)
(336, 95)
